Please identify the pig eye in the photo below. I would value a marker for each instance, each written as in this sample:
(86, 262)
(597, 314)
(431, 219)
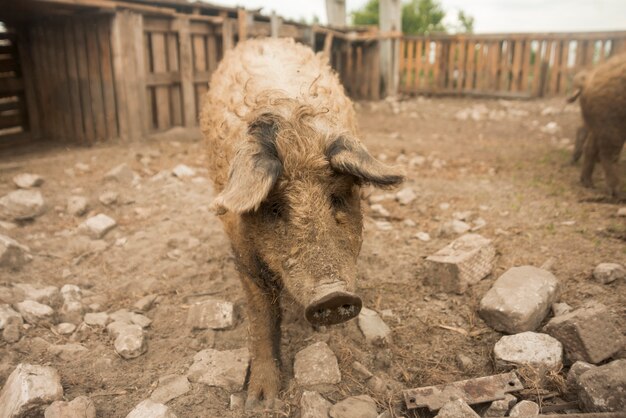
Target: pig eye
(338, 202)
(274, 209)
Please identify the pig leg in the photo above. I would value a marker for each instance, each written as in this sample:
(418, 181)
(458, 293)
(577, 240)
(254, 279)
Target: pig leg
(590, 154)
(609, 158)
(264, 328)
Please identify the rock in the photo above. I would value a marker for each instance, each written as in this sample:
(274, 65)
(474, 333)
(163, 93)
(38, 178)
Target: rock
(225, 369)
(6, 313)
(500, 407)
(72, 309)
(108, 198)
(80, 407)
(97, 226)
(170, 386)
(12, 329)
(27, 180)
(550, 128)
(12, 254)
(20, 205)
(65, 328)
(539, 351)
(361, 370)
(463, 262)
(28, 389)
(131, 318)
(316, 364)
(607, 273)
(560, 308)
(130, 341)
(34, 312)
(48, 295)
(237, 402)
(603, 388)
(67, 352)
(524, 409)
(423, 236)
(410, 223)
(361, 406)
(212, 313)
(7, 226)
(587, 334)
(182, 171)
(621, 212)
(406, 196)
(313, 405)
(464, 363)
(96, 319)
(145, 303)
(380, 210)
(456, 408)
(574, 374)
(373, 327)
(121, 173)
(77, 205)
(519, 299)
(455, 227)
(150, 409)
(383, 225)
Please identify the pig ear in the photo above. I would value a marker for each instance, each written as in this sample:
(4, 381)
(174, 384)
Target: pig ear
(253, 171)
(347, 155)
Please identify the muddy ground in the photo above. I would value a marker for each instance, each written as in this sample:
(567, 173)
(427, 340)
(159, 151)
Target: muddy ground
(498, 159)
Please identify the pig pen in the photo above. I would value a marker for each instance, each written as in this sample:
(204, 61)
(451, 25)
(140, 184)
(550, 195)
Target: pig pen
(499, 168)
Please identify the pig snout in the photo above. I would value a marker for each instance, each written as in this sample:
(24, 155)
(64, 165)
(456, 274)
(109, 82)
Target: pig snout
(332, 305)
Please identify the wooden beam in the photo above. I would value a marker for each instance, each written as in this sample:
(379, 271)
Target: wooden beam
(186, 73)
(390, 12)
(242, 24)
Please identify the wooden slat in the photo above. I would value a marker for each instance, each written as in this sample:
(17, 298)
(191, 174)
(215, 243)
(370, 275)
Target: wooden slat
(358, 70)
(437, 66)
(106, 72)
(73, 83)
(242, 24)
(376, 77)
(545, 70)
(419, 64)
(349, 66)
(9, 65)
(480, 65)
(452, 58)
(211, 52)
(83, 80)
(201, 89)
(516, 70)
(526, 65)
(161, 92)
(555, 68)
(10, 121)
(53, 106)
(36, 55)
(118, 52)
(565, 76)
(95, 83)
(470, 60)
(199, 53)
(461, 64)
(426, 65)
(63, 85)
(186, 73)
(173, 66)
(536, 80)
(495, 65)
(504, 67)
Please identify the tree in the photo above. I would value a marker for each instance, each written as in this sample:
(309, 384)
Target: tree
(418, 17)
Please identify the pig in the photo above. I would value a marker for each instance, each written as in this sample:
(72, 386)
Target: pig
(581, 133)
(603, 107)
(287, 167)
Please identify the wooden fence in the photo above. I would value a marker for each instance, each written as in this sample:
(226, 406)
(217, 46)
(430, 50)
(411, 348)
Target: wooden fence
(507, 65)
(13, 115)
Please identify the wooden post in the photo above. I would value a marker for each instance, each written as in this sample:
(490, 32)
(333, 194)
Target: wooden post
(242, 24)
(275, 22)
(227, 32)
(336, 12)
(390, 13)
(30, 92)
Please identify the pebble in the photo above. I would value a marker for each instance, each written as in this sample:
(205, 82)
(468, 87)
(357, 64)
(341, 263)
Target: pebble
(362, 406)
(182, 171)
(20, 205)
(524, 409)
(12, 329)
(423, 236)
(150, 409)
(603, 388)
(79, 407)
(539, 351)
(97, 226)
(77, 205)
(65, 328)
(7, 226)
(72, 309)
(124, 315)
(383, 225)
(313, 405)
(48, 295)
(455, 227)
(409, 223)
(500, 407)
(130, 341)
(145, 303)
(212, 313)
(464, 363)
(225, 369)
(108, 198)
(406, 196)
(621, 212)
(96, 319)
(606, 273)
(35, 312)
(67, 352)
(6, 313)
(170, 386)
(28, 389)
(373, 327)
(361, 370)
(27, 180)
(316, 364)
(560, 308)
(237, 402)
(121, 173)
(380, 210)
(456, 408)
(519, 299)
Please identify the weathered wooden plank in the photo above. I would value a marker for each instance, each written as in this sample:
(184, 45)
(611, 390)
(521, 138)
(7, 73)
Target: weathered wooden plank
(462, 64)
(427, 64)
(358, 70)
(545, 69)
(64, 99)
(480, 64)
(73, 82)
(156, 24)
(418, 65)
(161, 92)
(173, 68)
(242, 24)
(565, 76)
(495, 48)
(525, 76)
(211, 53)
(536, 80)
(227, 32)
(199, 53)
(95, 83)
(452, 59)
(437, 67)
(186, 64)
(55, 106)
(349, 67)
(10, 120)
(376, 76)
(106, 72)
(201, 90)
(118, 50)
(36, 49)
(30, 91)
(408, 62)
(516, 68)
(470, 65)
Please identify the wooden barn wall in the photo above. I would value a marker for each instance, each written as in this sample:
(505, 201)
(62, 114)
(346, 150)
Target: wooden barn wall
(13, 113)
(71, 82)
(529, 65)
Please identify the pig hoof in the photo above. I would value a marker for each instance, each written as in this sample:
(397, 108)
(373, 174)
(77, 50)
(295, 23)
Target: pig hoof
(263, 386)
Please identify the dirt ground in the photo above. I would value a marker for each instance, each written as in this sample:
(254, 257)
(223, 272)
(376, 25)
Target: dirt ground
(494, 158)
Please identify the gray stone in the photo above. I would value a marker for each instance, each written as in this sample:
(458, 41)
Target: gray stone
(621, 212)
(500, 407)
(603, 388)
(316, 364)
(519, 299)
(539, 351)
(212, 313)
(607, 273)
(96, 319)
(130, 341)
(65, 328)
(225, 369)
(7, 226)
(79, 407)
(72, 309)
(464, 262)
(373, 327)
(21, 205)
(464, 363)
(6, 313)
(182, 171)
(361, 406)
(456, 408)
(27, 180)
(48, 295)
(237, 402)
(406, 196)
(121, 173)
(170, 386)
(150, 409)
(380, 210)
(455, 227)
(28, 389)
(131, 318)
(524, 409)
(35, 313)
(12, 329)
(587, 334)
(13, 255)
(67, 352)
(574, 374)
(313, 405)
(423, 236)
(145, 303)
(560, 308)
(77, 205)
(97, 226)
(361, 370)
(108, 198)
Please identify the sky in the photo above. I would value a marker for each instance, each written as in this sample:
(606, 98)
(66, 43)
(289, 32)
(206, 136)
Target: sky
(490, 15)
